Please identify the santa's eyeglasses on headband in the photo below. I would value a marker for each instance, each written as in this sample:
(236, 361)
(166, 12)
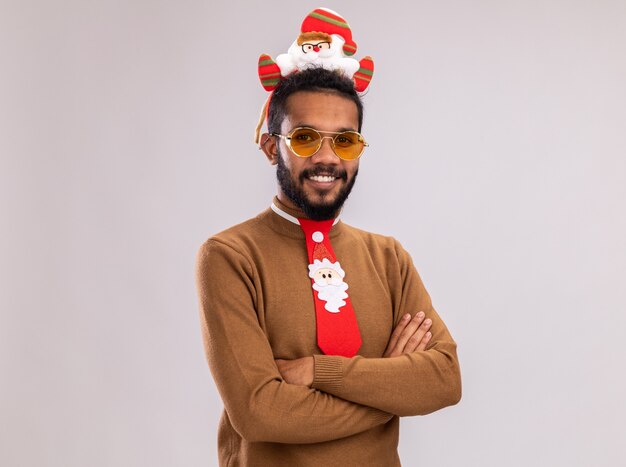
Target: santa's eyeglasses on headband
(309, 47)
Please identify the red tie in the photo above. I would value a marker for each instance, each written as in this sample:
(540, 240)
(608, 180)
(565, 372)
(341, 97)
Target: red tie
(337, 328)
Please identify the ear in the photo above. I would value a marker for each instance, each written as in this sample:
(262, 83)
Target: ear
(268, 145)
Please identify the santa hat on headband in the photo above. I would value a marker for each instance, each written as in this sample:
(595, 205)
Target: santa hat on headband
(328, 21)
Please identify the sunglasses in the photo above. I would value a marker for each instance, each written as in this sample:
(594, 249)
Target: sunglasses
(305, 142)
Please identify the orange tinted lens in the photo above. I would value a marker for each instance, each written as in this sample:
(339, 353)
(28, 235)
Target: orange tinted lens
(305, 142)
(349, 145)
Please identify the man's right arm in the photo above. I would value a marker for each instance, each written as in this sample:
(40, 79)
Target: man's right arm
(260, 404)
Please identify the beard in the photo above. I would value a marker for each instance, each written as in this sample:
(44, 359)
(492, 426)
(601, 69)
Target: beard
(294, 191)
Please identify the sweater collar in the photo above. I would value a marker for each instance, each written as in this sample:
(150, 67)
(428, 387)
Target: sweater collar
(289, 217)
(284, 219)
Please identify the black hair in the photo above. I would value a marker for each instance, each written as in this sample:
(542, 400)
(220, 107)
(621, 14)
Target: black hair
(315, 79)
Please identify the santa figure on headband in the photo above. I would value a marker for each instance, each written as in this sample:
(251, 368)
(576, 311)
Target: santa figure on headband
(325, 40)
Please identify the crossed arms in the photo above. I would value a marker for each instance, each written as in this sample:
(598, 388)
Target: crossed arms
(410, 335)
(344, 396)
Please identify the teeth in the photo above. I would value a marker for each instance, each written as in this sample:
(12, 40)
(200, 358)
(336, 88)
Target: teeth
(322, 178)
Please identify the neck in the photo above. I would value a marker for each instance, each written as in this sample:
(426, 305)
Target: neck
(288, 203)
(283, 198)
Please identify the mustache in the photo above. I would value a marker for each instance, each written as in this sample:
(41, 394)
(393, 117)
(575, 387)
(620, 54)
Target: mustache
(324, 171)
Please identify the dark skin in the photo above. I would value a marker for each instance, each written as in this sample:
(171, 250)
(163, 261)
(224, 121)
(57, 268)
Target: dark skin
(326, 111)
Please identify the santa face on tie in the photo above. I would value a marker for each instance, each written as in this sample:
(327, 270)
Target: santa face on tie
(328, 283)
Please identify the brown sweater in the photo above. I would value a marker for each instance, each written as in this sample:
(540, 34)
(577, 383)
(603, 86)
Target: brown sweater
(256, 305)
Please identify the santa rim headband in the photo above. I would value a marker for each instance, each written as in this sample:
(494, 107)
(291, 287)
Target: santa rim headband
(325, 41)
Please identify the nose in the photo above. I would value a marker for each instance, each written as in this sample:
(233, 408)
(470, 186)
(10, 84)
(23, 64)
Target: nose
(326, 154)
(316, 48)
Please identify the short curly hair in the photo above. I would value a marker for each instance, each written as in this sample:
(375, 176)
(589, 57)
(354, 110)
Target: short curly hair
(315, 79)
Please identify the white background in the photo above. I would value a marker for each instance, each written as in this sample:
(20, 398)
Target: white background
(498, 137)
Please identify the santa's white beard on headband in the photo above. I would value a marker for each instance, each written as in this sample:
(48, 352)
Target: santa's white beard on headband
(332, 294)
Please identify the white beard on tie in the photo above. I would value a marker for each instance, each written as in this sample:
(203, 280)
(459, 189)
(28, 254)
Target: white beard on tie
(333, 295)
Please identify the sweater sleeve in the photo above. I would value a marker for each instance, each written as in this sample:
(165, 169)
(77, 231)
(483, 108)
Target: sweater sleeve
(260, 404)
(411, 384)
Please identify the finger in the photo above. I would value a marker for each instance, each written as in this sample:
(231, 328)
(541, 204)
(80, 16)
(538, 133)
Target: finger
(396, 334)
(417, 337)
(409, 330)
(425, 341)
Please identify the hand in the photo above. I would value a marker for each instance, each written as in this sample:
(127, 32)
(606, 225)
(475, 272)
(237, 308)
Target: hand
(299, 371)
(409, 335)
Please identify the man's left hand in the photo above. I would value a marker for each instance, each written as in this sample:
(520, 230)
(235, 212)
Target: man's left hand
(298, 371)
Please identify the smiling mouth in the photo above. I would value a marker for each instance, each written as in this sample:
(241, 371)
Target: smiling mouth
(319, 175)
(322, 178)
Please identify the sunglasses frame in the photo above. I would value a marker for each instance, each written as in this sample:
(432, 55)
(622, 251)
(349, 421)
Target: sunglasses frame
(288, 137)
